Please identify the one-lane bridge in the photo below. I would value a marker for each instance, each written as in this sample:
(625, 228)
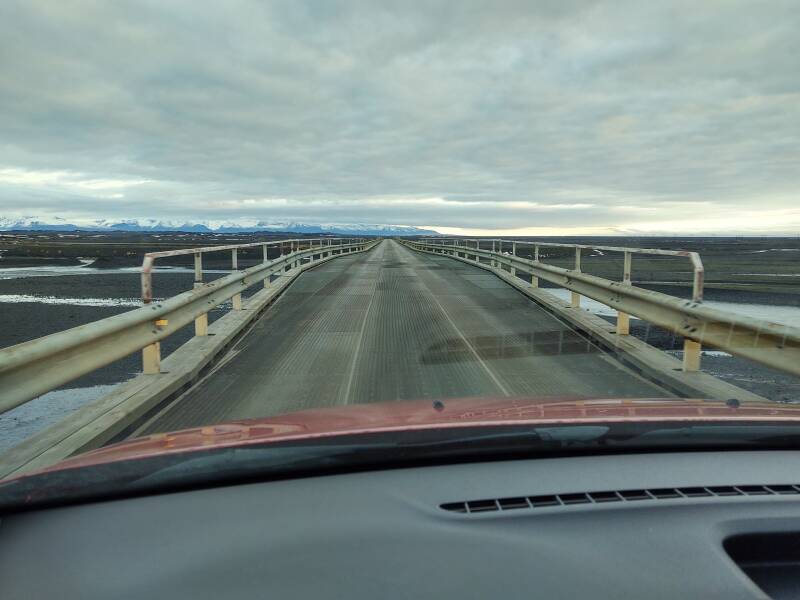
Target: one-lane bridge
(352, 321)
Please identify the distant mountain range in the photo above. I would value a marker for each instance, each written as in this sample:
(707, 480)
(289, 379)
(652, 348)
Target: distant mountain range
(240, 226)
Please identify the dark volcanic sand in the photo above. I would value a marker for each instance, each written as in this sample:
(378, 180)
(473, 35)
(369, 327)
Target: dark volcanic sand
(32, 261)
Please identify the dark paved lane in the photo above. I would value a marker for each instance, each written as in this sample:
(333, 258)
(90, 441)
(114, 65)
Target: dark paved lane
(393, 324)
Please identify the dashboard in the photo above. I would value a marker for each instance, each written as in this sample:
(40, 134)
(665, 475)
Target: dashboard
(690, 525)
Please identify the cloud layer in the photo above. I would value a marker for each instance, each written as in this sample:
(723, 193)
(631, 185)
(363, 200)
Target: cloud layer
(542, 117)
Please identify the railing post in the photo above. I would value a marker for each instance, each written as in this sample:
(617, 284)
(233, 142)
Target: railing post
(147, 281)
(691, 355)
(236, 300)
(534, 278)
(692, 349)
(201, 322)
(198, 269)
(201, 325)
(269, 275)
(500, 254)
(151, 355)
(576, 297)
(513, 256)
(493, 251)
(151, 359)
(624, 319)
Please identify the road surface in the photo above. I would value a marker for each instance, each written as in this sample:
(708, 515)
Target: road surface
(394, 324)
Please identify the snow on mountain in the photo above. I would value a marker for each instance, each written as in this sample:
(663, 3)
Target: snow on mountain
(238, 226)
(34, 223)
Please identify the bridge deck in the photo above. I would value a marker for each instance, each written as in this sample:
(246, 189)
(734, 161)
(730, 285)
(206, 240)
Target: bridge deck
(393, 324)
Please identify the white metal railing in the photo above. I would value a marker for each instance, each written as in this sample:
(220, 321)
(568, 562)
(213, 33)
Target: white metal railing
(298, 250)
(770, 344)
(32, 368)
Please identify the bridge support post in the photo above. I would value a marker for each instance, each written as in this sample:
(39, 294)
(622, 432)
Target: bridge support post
(494, 262)
(623, 319)
(151, 359)
(534, 278)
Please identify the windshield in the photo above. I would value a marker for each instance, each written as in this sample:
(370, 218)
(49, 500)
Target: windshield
(276, 222)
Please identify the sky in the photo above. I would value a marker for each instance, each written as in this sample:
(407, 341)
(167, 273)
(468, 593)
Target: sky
(531, 118)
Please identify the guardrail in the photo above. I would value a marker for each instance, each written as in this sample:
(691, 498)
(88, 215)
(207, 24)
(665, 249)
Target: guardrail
(770, 344)
(32, 368)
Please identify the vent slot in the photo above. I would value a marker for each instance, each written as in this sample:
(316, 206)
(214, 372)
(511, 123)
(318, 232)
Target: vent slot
(519, 502)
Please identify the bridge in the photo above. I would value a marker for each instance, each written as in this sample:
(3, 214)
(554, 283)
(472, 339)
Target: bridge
(351, 321)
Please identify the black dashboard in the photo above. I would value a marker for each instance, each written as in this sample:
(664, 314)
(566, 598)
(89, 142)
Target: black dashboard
(671, 525)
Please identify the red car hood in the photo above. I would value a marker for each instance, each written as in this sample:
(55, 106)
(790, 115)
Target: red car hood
(424, 414)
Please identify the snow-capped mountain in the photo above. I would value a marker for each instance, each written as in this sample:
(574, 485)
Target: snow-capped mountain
(237, 226)
(34, 223)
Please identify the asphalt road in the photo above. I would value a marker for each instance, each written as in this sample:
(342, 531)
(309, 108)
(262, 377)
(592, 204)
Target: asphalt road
(394, 324)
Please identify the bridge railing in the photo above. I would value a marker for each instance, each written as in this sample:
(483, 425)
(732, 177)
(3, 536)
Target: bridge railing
(32, 368)
(770, 344)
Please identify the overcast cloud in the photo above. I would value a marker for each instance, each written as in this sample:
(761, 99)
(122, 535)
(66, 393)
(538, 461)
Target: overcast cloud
(537, 117)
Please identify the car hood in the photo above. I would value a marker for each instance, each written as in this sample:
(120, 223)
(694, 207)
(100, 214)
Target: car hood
(426, 414)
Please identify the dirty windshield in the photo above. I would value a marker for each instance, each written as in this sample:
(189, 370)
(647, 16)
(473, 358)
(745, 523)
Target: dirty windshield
(261, 219)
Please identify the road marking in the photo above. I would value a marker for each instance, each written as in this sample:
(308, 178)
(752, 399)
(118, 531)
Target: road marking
(357, 352)
(472, 349)
(474, 352)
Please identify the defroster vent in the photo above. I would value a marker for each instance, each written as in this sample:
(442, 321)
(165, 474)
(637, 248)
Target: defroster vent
(534, 502)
